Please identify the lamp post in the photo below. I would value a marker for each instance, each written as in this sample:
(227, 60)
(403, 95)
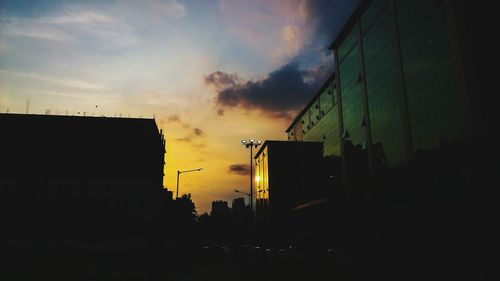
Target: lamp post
(248, 194)
(251, 143)
(180, 172)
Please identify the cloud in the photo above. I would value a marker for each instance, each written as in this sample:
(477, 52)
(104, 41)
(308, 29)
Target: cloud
(38, 32)
(292, 36)
(190, 137)
(220, 112)
(198, 132)
(168, 8)
(174, 118)
(75, 23)
(222, 80)
(239, 169)
(282, 92)
(58, 81)
(184, 139)
(76, 16)
(287, 89)
(275, 30)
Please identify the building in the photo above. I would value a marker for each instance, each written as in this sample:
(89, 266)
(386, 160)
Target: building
(399, 80)
(238, 203)
(402, 86)
(220, 208)
(318, 121)
(411, 92)
(288, 175)
(78, 177)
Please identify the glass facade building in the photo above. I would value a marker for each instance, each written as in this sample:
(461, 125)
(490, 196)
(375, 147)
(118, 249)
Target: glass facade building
(397, 87)
(398, 79)
(319, 121)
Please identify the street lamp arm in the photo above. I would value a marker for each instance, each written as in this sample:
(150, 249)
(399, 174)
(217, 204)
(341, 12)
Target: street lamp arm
(193, 170)
(248, 193)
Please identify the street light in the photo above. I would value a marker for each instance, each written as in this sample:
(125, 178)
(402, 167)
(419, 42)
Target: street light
(251, 143)
(180, 172)
(248, 194)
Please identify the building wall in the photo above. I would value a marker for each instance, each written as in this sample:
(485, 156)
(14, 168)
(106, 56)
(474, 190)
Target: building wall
(435, 106)
(319, 121)
(398, 80)
(324, 122)
(68, 175)
(289, 174)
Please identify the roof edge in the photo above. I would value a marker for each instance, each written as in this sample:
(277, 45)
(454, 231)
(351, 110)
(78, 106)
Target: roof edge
(330, 79)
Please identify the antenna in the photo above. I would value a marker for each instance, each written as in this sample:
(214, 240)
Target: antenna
(27, 106)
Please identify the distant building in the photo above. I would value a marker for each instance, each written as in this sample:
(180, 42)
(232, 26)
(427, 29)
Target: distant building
(238, 203)
(220, 208)
(65, 176)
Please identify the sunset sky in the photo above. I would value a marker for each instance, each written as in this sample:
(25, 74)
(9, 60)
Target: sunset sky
(211, 72)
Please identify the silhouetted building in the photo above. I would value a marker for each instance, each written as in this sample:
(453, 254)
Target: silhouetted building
(220, 208)
(238, 203)
(64, 177)
(288, 175)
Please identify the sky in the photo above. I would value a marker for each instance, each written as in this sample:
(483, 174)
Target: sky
(211, 72)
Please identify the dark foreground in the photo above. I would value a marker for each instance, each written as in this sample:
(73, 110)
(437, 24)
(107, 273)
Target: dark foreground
(232, 262)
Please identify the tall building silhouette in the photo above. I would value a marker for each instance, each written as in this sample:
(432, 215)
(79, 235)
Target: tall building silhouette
(67, 177)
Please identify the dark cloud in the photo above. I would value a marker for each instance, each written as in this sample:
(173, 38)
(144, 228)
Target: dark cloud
(222, 80)
(240, 169)
(220, 112)
(284, 90)
(287, 89)
(329, 16)
(198, 132)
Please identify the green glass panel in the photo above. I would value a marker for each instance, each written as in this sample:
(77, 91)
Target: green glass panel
(434, 105)
(352, 102)
(383, 91)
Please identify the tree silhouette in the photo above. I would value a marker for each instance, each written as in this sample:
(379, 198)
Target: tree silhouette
(185, 209)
